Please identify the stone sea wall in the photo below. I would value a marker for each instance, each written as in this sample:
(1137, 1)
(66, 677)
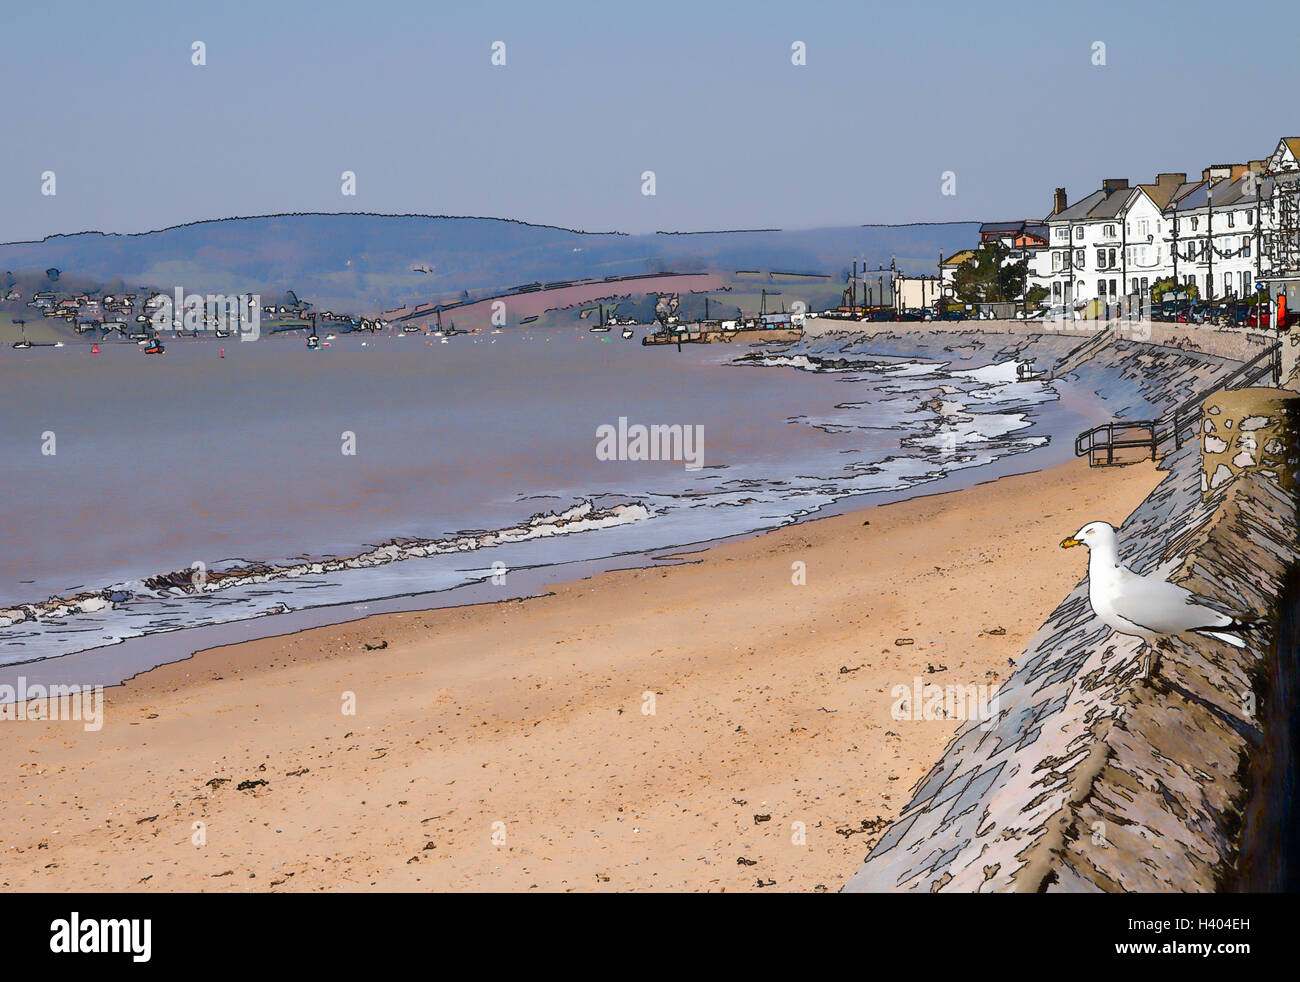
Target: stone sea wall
(1238, 344)
(1093, 777)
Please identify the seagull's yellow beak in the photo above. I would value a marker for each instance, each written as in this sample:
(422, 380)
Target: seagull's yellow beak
(1067, 543)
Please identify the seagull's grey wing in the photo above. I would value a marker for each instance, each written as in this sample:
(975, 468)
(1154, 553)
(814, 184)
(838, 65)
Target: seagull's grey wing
(1164, 607)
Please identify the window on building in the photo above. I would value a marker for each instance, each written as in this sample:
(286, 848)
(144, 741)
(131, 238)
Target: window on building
(1112, 289)
(1101, 288)
(1056, 291)
(1111, 257)
(1078, 232)
(1101, 258)
(1245, 284)
(1144, 285)
(1245, 246)
(1232, 219)
(1110, 231)
(1079, 258)
(1195, 222)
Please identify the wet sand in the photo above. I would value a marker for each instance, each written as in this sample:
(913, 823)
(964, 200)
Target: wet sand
(710, 726)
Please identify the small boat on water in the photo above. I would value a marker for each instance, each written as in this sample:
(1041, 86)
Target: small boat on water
(602, 327)
(155, 348)
(627, 332)
(24, 343)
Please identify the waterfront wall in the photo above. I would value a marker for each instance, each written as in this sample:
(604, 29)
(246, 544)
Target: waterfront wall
(1091, 777)
(1232, 343)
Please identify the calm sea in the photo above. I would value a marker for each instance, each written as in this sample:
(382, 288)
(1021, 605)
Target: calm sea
(190, 460)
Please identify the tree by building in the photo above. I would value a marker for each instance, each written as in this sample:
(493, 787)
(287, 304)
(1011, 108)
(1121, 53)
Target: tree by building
(1168, 285)
(988, 277)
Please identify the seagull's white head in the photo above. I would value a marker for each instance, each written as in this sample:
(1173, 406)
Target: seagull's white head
(1092, 535)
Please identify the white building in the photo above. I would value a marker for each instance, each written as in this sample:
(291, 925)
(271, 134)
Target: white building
(1110, 244)
(1215, 232)
(1280, 198)
(916, 292)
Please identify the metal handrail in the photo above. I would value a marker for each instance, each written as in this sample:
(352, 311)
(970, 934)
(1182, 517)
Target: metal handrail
(1268, 361)
(1247, 374)
(1150, 441)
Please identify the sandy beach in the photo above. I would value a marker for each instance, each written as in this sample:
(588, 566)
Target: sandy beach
(712, 726)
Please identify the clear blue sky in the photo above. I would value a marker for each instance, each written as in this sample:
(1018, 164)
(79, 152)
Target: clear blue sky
(704, 94)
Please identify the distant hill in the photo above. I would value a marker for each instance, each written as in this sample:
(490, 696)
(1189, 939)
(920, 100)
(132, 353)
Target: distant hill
(361, 263)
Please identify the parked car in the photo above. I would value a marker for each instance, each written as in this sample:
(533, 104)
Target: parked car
(1261, 315)
(1061, 313)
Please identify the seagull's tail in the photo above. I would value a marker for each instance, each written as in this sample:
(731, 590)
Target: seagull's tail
(1231, 633)
(1231, 639)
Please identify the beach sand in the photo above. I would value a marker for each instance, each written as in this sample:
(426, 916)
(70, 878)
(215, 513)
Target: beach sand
(509, 746)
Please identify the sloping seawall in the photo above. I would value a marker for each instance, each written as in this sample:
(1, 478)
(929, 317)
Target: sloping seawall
(1090, 777)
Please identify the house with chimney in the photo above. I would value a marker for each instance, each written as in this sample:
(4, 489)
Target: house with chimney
(1110, 244)
(1086, 245)
(1216, 231)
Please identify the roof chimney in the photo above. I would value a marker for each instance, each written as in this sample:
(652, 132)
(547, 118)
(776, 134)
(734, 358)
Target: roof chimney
(1167, 179)
(1059, 201)
(1112, 184)
(1216, 172)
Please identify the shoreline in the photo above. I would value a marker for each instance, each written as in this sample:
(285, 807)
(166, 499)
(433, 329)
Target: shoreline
(771, 699)
(115, 640)
(115, 664)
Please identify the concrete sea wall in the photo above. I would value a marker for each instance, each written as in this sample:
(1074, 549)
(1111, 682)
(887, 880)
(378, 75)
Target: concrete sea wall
(1238, 344)
(1091, 777)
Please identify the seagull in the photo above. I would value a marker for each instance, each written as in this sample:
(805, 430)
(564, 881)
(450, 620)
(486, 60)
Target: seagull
(1143, 606)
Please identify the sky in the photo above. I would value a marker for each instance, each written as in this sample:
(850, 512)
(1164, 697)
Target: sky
(1004, 96)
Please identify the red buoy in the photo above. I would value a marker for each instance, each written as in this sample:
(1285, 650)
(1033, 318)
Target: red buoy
(94, 349)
